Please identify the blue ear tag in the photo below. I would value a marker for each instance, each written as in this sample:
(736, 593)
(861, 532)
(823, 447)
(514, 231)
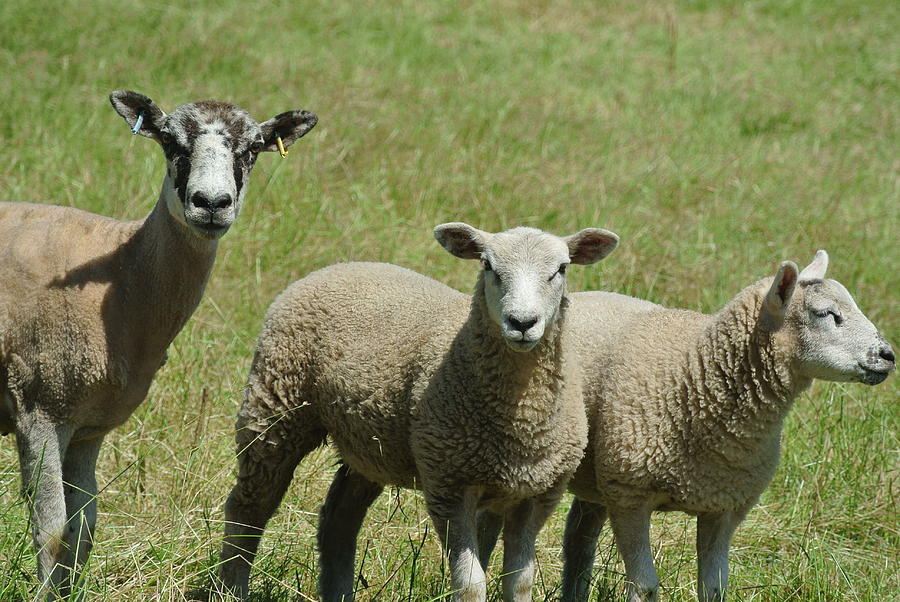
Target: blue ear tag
(138, 123)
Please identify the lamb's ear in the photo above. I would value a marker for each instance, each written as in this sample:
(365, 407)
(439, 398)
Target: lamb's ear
(779, 296)
(461, 239)
(591, 245)
(130, 105)
(816, 269)
(291, 126)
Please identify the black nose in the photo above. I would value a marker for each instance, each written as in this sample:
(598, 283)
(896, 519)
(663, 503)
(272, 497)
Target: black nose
(886, 353)
(522, 325)
(203, 201)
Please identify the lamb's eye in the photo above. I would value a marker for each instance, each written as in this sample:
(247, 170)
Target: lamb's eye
(559, 272)
(833, 314)
(487, 265)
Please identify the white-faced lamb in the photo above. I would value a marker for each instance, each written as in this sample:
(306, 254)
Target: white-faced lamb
(89, 305)
(686, 411)
(474, 400)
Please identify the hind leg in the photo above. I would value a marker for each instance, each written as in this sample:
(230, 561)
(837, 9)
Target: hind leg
(266, 466)
(583, 525)
(340, 519)
(631, 527)
(489, 526)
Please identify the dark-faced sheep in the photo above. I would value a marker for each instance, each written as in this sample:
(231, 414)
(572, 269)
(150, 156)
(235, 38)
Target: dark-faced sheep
(89, 305)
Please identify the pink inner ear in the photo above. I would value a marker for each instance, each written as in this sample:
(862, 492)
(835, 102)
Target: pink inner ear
(788, 279)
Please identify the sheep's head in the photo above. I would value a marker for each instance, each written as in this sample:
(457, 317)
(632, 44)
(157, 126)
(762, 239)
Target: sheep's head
(210, 148)
(830, 337)
(523, 275)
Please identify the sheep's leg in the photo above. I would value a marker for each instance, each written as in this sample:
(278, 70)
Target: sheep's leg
(714, 531)
(631, 527)
(265, 470)
(41, 446)
(521, 526)
(489, 526)
(454, 517)
(340, 519)
(583, 525)
(80, 488)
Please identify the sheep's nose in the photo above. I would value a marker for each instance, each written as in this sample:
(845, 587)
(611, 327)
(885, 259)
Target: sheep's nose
(887, 354)
(522, 325)
(203, 201)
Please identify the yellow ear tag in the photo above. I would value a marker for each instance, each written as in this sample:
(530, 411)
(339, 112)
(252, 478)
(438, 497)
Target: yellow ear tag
(281, 150)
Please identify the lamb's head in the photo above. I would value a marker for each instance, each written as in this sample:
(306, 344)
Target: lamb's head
(817, 319)
(523, 277)
(210, 148)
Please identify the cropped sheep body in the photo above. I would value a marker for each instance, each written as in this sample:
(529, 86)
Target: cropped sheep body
(69, 275)
(398, 369)
(664, 425)
(89, 305)
(686, 412)
(474, 400)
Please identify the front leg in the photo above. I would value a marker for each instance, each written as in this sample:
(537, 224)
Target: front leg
(520, 529)
(80, 488)
(41, 446)
(631, 527)
(714, 531)
(453, 513)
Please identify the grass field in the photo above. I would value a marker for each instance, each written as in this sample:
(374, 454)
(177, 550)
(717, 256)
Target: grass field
(715, 137)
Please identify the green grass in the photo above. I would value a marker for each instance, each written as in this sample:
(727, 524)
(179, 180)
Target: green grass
(716, 138)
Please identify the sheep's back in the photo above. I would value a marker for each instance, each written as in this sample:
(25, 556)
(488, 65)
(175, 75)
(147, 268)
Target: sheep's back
(349, 342)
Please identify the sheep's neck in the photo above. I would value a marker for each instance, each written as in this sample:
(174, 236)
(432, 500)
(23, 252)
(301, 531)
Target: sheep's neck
(519, 379)
(166, 269)
(747, 390)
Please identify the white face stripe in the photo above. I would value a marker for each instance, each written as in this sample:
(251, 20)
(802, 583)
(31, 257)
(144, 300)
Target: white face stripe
(212, 167)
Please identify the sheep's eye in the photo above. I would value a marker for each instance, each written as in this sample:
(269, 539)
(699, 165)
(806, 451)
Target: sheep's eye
(824, 313)
(559, 272)
(487, 265)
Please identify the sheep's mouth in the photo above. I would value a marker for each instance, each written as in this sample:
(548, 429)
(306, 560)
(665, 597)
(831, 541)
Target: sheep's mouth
(211, 230)
(870, 376)
(522, 345)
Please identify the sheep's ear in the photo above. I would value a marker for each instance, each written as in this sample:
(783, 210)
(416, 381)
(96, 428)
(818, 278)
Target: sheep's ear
(461, 239)
(591, 245)
(130, 105)
(291, 126)
(816, 269)
(779, 295)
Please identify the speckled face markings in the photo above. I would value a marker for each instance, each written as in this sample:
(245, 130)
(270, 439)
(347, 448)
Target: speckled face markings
(211, 148)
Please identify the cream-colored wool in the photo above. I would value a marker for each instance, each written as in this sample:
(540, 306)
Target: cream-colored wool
(418, 387)
(686, 410)
(89, 305)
